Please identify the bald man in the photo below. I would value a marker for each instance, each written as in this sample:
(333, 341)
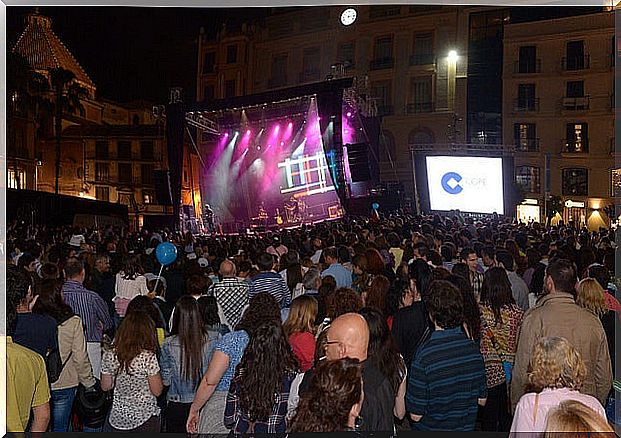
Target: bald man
(348, 336)
(231, 294)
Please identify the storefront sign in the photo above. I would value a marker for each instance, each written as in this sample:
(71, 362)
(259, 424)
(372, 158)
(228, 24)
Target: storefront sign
(574, 204)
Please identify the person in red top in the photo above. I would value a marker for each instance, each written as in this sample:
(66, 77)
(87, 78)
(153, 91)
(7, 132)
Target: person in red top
(299, 328)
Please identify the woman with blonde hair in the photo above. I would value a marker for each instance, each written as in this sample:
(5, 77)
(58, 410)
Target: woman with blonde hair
(300, 330)
(591, 296)
(556, 373)
(575, 419)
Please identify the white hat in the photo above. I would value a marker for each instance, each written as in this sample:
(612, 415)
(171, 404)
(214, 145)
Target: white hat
(203, 262)
(77, 240)
(191, 256)
(150, 277)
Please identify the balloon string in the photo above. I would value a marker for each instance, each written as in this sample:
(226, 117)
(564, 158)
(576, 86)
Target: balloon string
(158, 279)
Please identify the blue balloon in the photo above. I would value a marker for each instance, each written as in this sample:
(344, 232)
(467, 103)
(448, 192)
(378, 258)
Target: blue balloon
(166, 253)
(375, 206)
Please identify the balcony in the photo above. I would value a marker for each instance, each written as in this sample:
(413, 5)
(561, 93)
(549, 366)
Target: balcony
(310, 75)
(572, 146)
(419, 107)
(385, 110)
(526, 105)
(382, 63)
(575, 103)
(527, 67)
(576, 63)
(276, 82)
(527, 145)
(425, 59)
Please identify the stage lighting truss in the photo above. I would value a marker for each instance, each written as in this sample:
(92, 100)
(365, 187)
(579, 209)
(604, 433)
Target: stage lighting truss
(468, 148)
(198, 120)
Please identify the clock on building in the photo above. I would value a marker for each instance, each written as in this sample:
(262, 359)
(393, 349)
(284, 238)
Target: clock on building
(348, 16)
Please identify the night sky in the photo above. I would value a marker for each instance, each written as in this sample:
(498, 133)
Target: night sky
(138, 53)
(131, 52)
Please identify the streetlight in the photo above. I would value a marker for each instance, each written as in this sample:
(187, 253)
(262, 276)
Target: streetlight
(452, 72)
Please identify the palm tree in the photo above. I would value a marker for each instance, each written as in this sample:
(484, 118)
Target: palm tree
(67, 99)
(25, 91)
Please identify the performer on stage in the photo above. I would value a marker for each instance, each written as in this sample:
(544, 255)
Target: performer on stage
(262, 216)
(208, 218)
(292, 209)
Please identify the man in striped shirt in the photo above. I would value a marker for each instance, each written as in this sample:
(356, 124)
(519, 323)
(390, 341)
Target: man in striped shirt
(447, 379)
(90, 307)
(270, 282)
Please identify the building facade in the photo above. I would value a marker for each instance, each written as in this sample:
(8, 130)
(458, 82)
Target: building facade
(411, 59)
(559, 112)
(110, 151)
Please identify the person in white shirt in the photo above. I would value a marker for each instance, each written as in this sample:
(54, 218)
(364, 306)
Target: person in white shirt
(130, 282)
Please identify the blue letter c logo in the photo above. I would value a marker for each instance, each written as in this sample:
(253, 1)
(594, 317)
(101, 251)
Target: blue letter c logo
(450, 183)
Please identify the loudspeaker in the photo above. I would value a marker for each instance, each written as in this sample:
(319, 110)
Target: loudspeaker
(162, 187)
(358, 158)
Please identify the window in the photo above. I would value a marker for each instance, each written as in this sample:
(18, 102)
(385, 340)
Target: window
(525, 137)
(146, 149)
(574, 57)
(529, 178)
(381, 90)
(528, 60)
(346, 54)
(101, 150)
(146, 174)
(615, 180)
(16, 181)
(577, 137)
(575, 89)
(231, 54)
(102, 193)
(423, 49)
(209, 93)
(311, 59)
(279, 70)
(229, 88)
(384, 11)
(124, 150)
(420, 95)
(148, 197)
(102, 172)
(382, 54)
(526, 97)
(575, 182)
(209, 62)
(125, 173)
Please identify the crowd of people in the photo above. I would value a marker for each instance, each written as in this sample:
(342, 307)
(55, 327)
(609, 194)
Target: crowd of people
(425, 322)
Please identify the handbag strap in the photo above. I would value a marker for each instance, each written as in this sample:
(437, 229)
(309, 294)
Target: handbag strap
(536, 409)
(68, 357)
(492, 338)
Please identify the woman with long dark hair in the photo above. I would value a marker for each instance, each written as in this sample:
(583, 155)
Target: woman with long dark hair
(472, 312)
(259, 392)
(383, 353)
(208, 307)
(72, 349)
(184, 361)
(500, 320)
(333, 400)
(292, 272)
(143, 303)
(376, 294)
(132, 369)
(207, 410)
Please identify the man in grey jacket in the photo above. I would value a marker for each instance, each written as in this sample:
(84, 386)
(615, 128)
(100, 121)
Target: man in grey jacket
(557, 314)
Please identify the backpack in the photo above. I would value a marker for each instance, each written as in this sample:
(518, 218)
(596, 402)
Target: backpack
(54, 365)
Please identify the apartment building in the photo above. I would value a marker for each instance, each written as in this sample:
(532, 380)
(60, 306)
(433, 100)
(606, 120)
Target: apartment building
(559, 112)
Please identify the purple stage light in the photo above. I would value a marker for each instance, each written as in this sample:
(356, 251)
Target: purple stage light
(248, 132)
(282, 143)
(226, 134)
(276, 129)
(259, 148)
(290, 125)
(348, 113)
